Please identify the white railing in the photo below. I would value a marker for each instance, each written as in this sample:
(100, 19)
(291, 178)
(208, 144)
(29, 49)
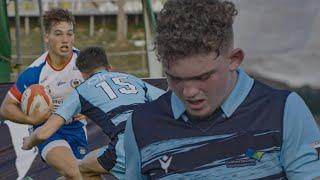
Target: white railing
(120, 53)
(81, 7)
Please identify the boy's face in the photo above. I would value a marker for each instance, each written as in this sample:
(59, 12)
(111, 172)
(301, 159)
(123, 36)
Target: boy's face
(60, 39)
(202, 82)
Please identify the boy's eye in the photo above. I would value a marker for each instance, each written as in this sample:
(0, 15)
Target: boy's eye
(203, 77)
(175, 78)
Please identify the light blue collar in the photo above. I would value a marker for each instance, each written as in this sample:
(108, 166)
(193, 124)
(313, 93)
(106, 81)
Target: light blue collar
(237, 96)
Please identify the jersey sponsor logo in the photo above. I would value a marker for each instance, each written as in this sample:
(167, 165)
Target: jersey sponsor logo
(257, 155)
(57, 101)
(251, 158)
(44, 80)
(240, 163)
(99, 77)
(316, 146)
(48, 89)
(165, 162)
(61, 83)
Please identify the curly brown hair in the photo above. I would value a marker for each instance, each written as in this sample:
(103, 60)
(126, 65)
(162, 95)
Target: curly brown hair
(56, 15)
(187, 27)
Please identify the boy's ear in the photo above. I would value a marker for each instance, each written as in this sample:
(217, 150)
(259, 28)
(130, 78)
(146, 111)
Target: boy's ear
(236, 58)
(46, 37)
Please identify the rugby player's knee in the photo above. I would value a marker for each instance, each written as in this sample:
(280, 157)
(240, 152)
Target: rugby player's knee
(72, 173)
(82, 167)
(91, 176)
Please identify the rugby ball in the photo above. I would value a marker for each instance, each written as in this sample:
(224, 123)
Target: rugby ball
(35, 95)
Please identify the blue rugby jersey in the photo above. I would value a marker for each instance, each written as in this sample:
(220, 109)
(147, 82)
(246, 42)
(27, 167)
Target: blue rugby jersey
(258, 132)
(108, 98)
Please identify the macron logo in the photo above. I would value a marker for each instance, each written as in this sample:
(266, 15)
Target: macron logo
(165, 162)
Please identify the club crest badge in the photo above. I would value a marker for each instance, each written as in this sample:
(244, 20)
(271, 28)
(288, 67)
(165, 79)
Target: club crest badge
(75, 82)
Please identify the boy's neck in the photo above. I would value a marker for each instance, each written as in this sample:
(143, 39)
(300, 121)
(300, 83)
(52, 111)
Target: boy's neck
(59, 62)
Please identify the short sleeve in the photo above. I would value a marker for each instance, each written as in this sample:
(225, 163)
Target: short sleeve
(299, 153)
(70, 106)
(133, 162)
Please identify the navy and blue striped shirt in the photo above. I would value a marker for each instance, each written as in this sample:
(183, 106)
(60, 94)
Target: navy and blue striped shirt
(258, 132)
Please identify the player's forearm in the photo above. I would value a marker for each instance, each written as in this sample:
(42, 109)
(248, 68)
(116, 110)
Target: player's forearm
(50, 127)
(37, 137)
(41, 134)
(13, 113)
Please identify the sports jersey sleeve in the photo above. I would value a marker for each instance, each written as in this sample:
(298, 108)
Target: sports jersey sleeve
(133, 162)
(153, 92)
(25, 79)
(70, 107)
(301, 140)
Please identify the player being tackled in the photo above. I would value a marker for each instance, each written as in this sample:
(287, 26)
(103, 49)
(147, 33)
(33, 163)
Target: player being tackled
(107, 98)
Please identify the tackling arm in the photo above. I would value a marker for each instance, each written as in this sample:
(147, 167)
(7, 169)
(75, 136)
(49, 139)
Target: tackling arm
(44, 132)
